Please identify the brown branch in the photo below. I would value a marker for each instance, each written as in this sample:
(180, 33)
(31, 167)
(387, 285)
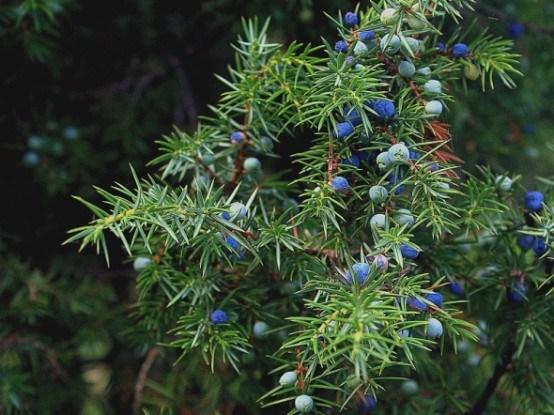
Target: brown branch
(141, 379)
(330, 157)
(213, 175)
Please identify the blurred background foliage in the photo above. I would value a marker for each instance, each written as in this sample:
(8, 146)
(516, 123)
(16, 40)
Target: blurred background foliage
(87, 87)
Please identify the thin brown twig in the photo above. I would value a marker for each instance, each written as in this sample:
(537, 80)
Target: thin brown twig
(141, 379)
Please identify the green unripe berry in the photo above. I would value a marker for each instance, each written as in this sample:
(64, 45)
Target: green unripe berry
(360, 49)
(414, 44)
(378, 194)
(252, 164)
(471, 71)
(406, 69)
(260, 329)
(207, 158)
(398, 153)
(238, 210)
(409, 387)
(432, 86)
(503, 183)
(403, 217)
(390, 44)
(383, 160)
(416, 21)
(389, 17)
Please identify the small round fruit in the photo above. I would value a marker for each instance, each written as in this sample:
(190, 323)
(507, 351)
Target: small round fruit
(413, 43)
(398, 153)
(432, 86)
(31, 158)
(362, 271)
(378, 194)
(539, 246)
(384, 109)
(517, 293)
(378, 221)
(435, 298)
(403, 217)
(459, 50)
(424, 71)
(141, 263)
(525, 242)
(360, 49)
(288, 379)
(406, 69)
(265, 145)
(409, 387)
(381, 262)
(366, 403)
(504, 183)
(389, 17)
(350, 19)
(417, 304)
(232, 243)
(218, 317)
(456, 288)
(207, 158)
(304, 403)
(416, 21)
(433, 107)
(341, 47)
(260, 329)
(340, 184)
(434, 328)
(390, 44)
(252, 164)
(471, 71)
(534, 200)
(238, 210)
(343, 130)
(408, 252)
(366, 35)
(238, 137)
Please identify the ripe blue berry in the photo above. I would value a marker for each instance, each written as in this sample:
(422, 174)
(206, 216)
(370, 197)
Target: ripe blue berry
(539, 246)
(399, 153)
(381, 262)
(218, 317)
(304, 403)
(406, 69)
(141, 263)
(417, 304)
(226, 216)
(350, 19)
(433, 107)
(232, 242)
(362, 271)
(456, 288)
(353, 160)
(383, 108)
(350, 60)
(340, 184)
(366, 403)
(341, 47)
(529, 129)
(516, 30)
(525, 242)
(238, 137)
(409, 387)
(517, 293)
(343, 130)
(378, 194)
(288, 379)
(533, 201)
(459, 50)
(434, 328)
(441, 47)
(408, 252)
(434, 298)
(260, 329)
(366, 35)
(352, 115)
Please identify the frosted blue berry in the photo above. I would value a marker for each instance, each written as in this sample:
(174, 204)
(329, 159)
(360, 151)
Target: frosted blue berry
(353, 160)
(70, 132)
(31, 158)
(383, 108)
(350, 19)
(516, 30)
(417, 304)
(232, 242)
(456, 288)
(432, 86)
(340, 184)
(304, 403)
(517, 293)
(383, 160)
(390, 44)
(539, 246)
(207, 158)
(141, 263)
(409, 387)
(434, 328)
(252, 164)
(378, 194)
(441, 47)
(343, 130)
(425, 71)
(288, 379)
(414, 44)
(433, 107)
(381, 262)
(434, 298)
(238, 210)
(504, 183)
(352, 115)
(218, 317)
(237, 137)
(403, 217)
(378, 221)
(265, 145)
(366, 35)
(533, 200)
(459, 50)
(362, 271)
(341, 47)
(398, 153)
(260, 329)
(408, 252)
(366, 403)
(406, 69)
(360, 49)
